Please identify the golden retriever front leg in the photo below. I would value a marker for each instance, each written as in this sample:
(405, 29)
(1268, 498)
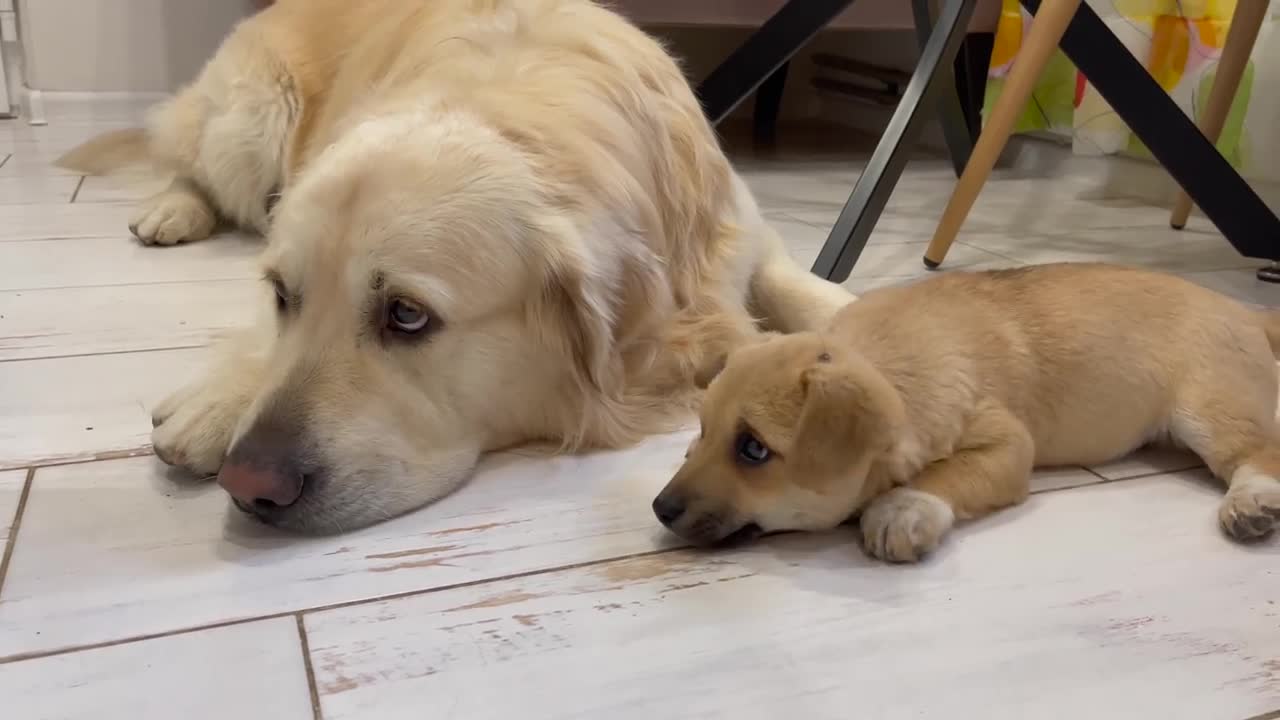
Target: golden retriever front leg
(179, 213)
(194, 426)
(789, 298)
(990, 469)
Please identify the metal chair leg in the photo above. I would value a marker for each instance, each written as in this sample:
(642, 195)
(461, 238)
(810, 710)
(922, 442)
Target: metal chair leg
(1246, 22)
(1270, 273)
(768, 49)
(1227, 200)
(871, 193)
(955, 126)
(769, 105)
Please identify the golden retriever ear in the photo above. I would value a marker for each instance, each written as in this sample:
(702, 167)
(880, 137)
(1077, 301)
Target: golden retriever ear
(575, 318)
(850, 410)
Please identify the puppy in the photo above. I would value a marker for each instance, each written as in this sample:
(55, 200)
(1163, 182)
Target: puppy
(927, 403)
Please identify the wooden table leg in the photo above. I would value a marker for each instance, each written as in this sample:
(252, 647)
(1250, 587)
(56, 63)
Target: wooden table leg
(1038, 46)
(1245, 24)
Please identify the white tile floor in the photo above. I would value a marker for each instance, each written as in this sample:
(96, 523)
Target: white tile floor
(127, 592)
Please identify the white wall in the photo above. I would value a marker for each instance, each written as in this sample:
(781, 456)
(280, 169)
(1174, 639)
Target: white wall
(121, 45)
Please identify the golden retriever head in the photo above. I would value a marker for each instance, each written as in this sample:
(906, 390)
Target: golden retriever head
(790, 430)
(432, 303)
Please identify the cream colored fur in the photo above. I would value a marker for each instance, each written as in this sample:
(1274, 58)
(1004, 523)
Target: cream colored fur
(535, 173)
(932, 402)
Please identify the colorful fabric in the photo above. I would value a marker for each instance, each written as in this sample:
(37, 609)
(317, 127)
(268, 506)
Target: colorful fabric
(1179, 42)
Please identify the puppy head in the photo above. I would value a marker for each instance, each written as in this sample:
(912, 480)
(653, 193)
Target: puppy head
(430, 304)
(790, 429)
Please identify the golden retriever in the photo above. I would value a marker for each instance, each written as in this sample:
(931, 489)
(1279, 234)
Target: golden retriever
(498, 221)
(927, 403)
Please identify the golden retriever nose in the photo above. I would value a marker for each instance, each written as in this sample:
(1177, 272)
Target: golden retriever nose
(668, 509)
(261, 487)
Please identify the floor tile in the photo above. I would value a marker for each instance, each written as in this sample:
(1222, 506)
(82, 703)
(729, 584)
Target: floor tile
(44, 221)
(904, 259)
(37, 189)
(31, 166)
(1046, 479)
(1149, 461)
(253, 670)
(85, 407)
(1159, 248)
(1078, 604)
(11, 483)
(191, 561)
(121, 318)
(120, 188)
(1242, 284)
(118, 549)
(79, 262)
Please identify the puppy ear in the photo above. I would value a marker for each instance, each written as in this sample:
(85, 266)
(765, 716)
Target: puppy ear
(719, 347)
(850, 412)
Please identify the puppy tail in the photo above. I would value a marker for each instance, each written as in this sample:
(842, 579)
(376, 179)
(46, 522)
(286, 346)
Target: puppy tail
(108, 152)
(1271, 325)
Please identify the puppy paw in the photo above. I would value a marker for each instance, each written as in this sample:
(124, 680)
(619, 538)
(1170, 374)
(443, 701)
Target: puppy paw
(172, 217)
(1251, 508)
(193, 427)
(903, 525)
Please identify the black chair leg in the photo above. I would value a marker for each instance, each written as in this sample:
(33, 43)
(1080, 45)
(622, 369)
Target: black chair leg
(767, 50)
(768, 105)
(951, 112)
(971, 66)
(1175, 141)
(871, 193)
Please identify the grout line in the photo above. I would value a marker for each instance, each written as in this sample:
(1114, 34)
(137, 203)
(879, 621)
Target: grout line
(1153, 473)
(104, 456)
(1104, 480)
(989, 252)
(137, 351)
(1095, 473)
(76, 193)
(19, 657)
(12, 540)
(126, 284)
(309, 668)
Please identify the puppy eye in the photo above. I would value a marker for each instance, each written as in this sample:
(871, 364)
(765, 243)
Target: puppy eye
(407, 316)
(751, 451)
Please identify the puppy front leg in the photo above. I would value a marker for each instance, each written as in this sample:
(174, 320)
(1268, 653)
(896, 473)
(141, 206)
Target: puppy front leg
(990, 469)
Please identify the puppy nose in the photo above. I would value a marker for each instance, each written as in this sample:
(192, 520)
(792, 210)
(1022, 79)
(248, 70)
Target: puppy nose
(668, 509)
(260, 486)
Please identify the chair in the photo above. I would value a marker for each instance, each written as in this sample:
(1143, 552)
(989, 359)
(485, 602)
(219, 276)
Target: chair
(1248, 224)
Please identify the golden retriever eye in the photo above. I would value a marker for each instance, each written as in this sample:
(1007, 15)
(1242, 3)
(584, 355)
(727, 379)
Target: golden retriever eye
(751, 451)
(407, 316)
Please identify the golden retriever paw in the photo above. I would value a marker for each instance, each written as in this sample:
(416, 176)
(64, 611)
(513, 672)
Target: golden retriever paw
(172, 217)
(904, 525)
(193, 427)
(1251, 508)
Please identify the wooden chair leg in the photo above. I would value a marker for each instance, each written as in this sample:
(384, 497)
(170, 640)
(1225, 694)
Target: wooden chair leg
(1037, 47)
(1245, 25)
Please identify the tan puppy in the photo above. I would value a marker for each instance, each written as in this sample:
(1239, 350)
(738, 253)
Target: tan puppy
(932, 402)
(498, 221)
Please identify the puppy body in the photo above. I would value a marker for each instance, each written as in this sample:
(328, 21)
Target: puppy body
(932, 402)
